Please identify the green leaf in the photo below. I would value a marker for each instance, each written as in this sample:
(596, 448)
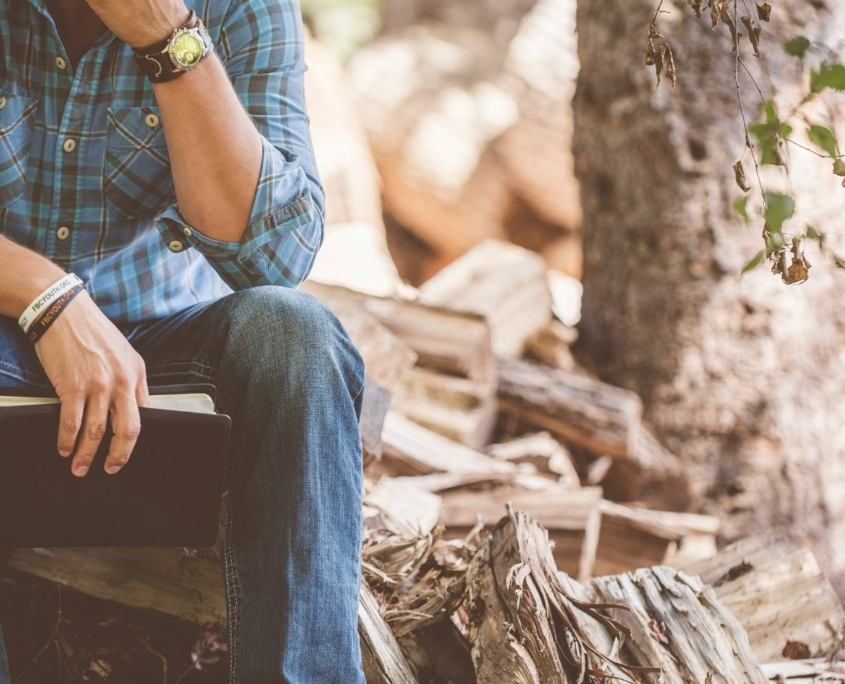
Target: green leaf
(779, 208)
(796, 47)
(813, 234)
(769, 112)
(827, 76)
(824, 138)
(741, 209)
(754, 263)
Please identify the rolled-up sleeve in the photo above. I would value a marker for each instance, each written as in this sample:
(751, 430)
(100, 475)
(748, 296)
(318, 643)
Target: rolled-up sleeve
(261, 44)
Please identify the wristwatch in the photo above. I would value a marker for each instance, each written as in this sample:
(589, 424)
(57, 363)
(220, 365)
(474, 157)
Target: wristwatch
(177, 54)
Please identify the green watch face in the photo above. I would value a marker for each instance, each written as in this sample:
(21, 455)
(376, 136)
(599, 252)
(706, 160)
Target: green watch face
(187, 50)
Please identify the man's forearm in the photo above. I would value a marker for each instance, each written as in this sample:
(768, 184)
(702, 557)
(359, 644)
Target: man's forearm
(24, 274)
(215, 150)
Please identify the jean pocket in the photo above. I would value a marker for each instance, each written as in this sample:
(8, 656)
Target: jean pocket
(137, 179)
(16, 120)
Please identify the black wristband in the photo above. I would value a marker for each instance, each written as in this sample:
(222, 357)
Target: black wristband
(46, 319)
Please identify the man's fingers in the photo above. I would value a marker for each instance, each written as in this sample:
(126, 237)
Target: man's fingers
(126, 423)
(142, 392)
(93, 430)
(70, 422)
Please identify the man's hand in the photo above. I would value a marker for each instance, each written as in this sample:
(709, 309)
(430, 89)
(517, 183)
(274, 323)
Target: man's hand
(141, 22)
(96, 374)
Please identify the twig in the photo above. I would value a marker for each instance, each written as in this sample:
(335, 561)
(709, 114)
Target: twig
(748, 144)
(205, 649)
(49, 643)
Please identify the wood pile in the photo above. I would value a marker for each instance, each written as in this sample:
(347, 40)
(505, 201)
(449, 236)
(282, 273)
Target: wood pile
(506, 538)
(470, 122)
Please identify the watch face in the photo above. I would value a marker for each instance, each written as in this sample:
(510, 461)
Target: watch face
(187, 50)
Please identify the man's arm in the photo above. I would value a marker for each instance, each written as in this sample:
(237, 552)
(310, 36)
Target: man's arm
(96, 373)
(251, 199)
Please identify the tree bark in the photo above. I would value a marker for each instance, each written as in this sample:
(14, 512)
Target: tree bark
(743, 379)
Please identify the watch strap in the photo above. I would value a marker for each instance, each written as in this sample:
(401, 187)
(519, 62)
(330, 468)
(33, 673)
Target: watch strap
(157, 65)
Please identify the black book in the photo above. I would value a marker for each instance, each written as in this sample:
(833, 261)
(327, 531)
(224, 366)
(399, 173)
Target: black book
(167, 495)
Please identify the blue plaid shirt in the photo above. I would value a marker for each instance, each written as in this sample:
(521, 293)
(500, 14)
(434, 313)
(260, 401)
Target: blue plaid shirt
(85, 175)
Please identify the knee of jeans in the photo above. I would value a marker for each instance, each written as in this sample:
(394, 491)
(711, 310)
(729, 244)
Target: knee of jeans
(284, 334)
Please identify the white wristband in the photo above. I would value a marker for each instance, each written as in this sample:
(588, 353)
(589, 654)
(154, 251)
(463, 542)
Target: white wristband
(30, 315)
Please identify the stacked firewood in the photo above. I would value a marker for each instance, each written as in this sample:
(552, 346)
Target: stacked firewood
(493, 550)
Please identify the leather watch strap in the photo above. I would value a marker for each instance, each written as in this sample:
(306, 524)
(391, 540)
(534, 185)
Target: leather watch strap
(155, 63)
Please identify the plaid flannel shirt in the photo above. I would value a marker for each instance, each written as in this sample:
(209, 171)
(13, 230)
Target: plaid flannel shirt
(85, 176)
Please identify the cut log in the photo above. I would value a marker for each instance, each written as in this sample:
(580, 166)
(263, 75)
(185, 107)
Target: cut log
(374, 410)
(575, 408)
(540, 72)
(542, 451)
(633, 538)
(523, 624)
(678, 624)
(551, 345)
(431, 122)
(411, 449)
(415, 508)
(185, 585)
(354, 252)
(572, 517)
(447, 341)
(458, 408)
(503, 283)
(439, 654)
(778, 593)
(808, 671)
(384, 662)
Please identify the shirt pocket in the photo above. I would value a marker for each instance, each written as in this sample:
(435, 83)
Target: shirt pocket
(16, 122)
(137, 179)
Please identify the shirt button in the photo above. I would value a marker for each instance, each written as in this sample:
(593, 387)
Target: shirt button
(69, 145)
(2, 101)
(176, 246)
(63, 232)
(60, 62)
(152, 120)
(187, 231)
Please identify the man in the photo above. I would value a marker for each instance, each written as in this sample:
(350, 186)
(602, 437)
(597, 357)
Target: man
(159, 150)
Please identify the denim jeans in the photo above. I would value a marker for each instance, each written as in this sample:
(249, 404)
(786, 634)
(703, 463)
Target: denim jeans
(290, 378)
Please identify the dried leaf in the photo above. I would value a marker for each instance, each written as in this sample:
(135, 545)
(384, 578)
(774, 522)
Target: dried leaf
(659, 55)
(728, 20)
(753, 33)
(739, 175)
(764, 11)
(839, 167)
(796, 650)
(715, 6)
(798, 271)
(696, 7)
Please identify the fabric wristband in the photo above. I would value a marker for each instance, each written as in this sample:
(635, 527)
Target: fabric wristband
(33, 311)
(51, 313)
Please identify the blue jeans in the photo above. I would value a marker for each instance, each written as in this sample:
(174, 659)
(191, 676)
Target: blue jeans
(290, 378)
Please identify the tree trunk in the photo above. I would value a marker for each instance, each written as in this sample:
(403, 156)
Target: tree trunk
(743, 379)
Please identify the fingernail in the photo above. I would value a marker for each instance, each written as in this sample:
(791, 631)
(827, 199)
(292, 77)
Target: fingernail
(112, 469)
(64, 453)
(81, 471)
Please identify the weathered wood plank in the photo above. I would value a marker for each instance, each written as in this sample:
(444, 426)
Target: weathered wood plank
(576, 408)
